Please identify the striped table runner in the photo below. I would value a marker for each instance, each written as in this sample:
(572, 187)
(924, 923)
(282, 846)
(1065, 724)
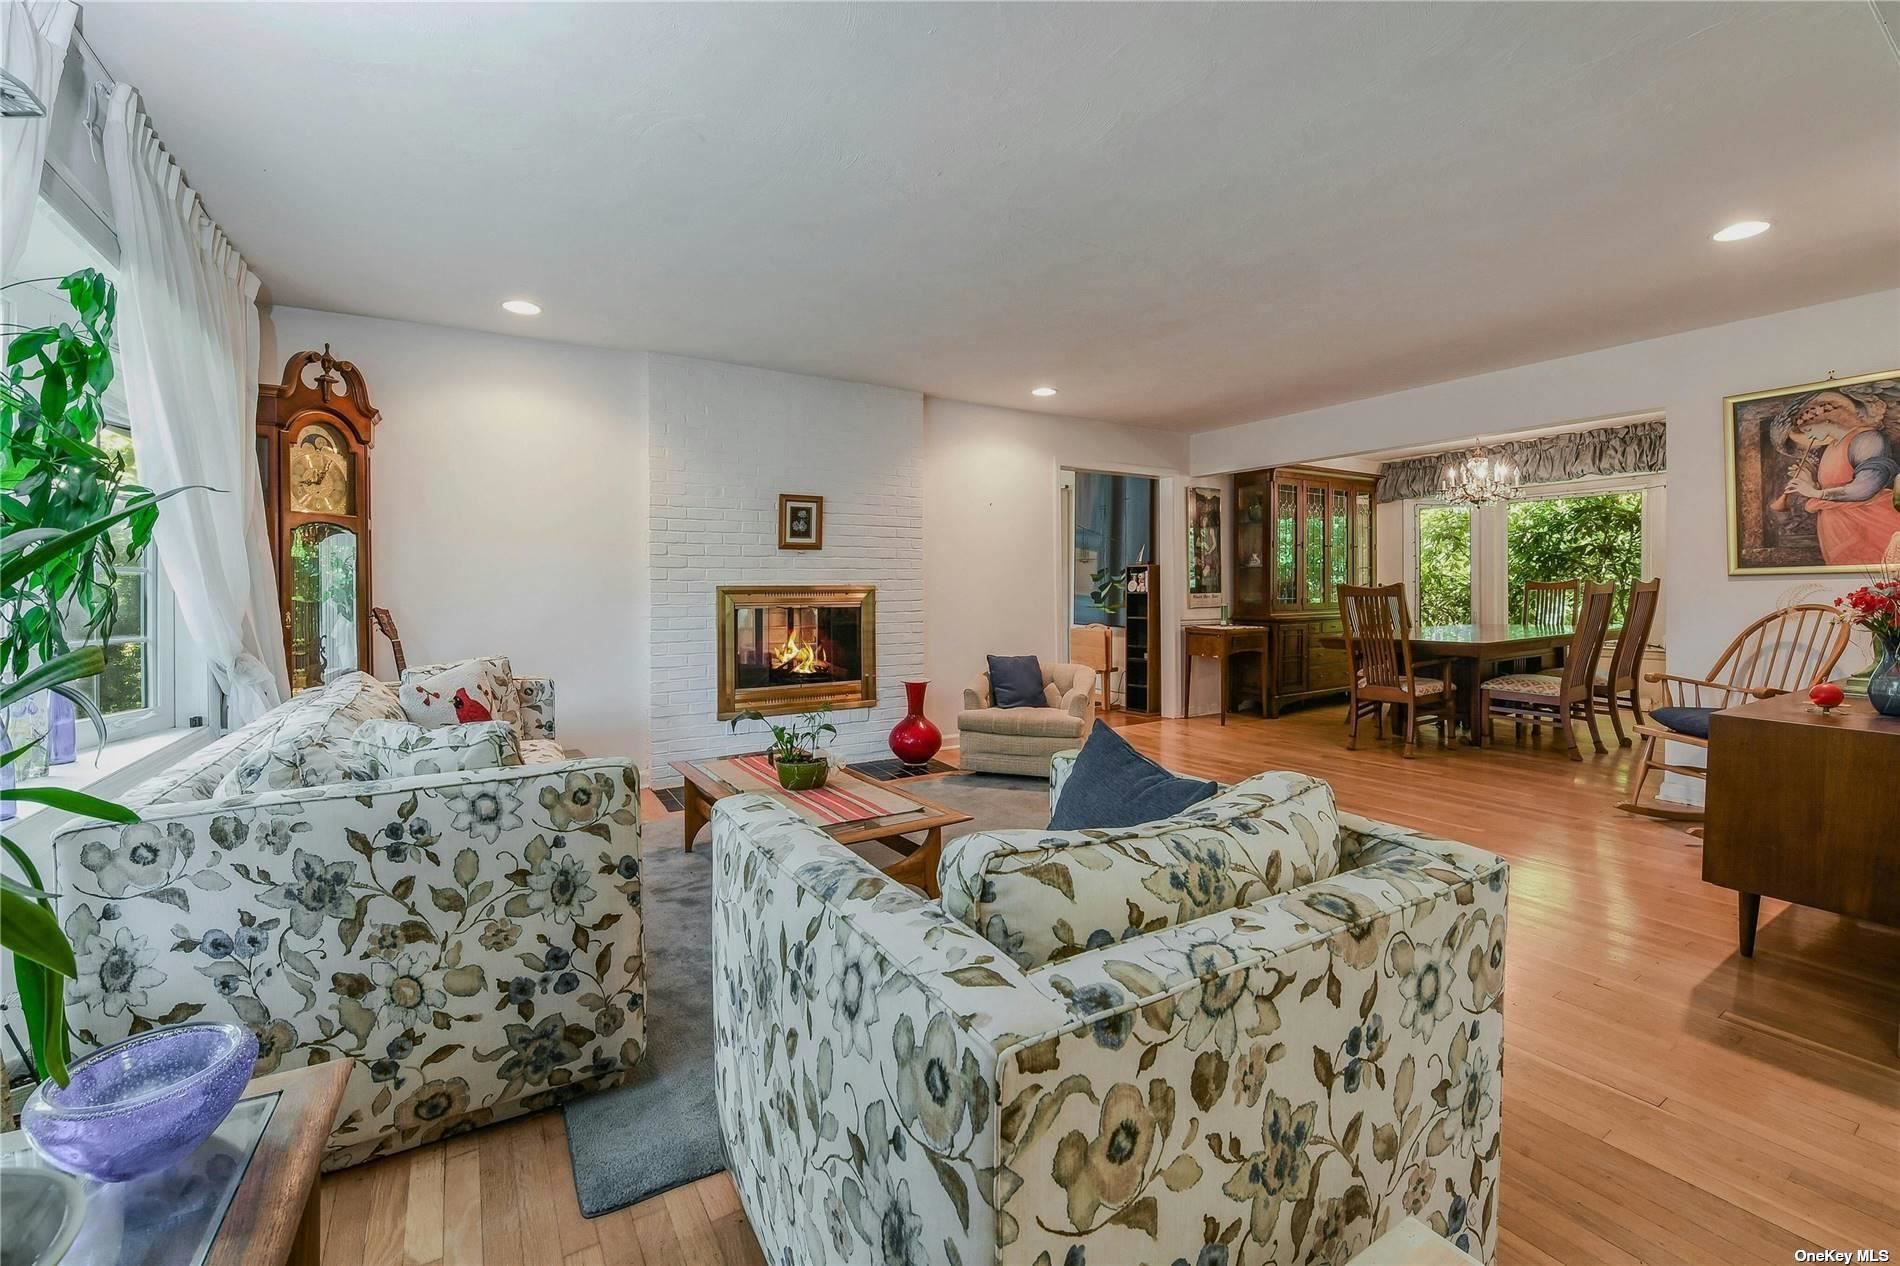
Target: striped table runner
(843, 800)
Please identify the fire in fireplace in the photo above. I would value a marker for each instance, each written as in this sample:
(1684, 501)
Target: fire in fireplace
(788, 648)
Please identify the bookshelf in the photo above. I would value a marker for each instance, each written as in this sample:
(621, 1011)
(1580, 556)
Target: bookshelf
(1141, 683)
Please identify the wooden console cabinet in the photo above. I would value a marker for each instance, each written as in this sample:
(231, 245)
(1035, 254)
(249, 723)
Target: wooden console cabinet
(1801, 807)
(1300, 532)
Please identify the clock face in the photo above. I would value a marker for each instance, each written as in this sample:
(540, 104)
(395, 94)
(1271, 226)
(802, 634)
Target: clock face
(319, 479)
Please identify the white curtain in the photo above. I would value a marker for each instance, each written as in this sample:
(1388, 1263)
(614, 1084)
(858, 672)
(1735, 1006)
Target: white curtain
(33, 39)
(188, 335)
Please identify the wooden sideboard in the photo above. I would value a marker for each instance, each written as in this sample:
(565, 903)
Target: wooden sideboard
(1300, 532)
(1803, 807)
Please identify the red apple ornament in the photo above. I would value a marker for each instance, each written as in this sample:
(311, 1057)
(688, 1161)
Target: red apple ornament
(1826, 696)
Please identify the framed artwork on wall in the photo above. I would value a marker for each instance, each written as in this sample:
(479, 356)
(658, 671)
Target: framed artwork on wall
(1206, 581)
(1814, 475)
(801, 521)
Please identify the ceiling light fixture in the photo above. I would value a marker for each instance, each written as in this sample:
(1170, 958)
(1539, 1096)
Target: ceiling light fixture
(1742, 229)
(1042, 391)
(1478, 477)
(521, 307)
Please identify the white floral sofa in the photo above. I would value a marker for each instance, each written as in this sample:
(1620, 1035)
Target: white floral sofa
(1283, 1038)
(470, 941)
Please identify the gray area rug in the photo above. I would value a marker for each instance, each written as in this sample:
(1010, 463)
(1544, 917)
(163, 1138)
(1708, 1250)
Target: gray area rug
(662, 1129)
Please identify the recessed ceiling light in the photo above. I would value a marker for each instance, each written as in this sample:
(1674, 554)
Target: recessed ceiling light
(1042, 391)
(521, 307)
(1741, 229)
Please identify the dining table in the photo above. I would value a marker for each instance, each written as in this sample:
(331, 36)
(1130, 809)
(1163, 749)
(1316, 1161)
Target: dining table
(1476, 652)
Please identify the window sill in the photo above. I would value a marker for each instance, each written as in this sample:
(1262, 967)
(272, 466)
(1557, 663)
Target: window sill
(103, 772)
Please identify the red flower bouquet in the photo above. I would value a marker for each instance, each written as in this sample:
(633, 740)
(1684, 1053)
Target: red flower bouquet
(1876, 608)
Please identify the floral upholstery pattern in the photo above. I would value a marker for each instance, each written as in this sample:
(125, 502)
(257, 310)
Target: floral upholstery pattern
(308, 744)
(1042, 896)
(537, 708)
(470, 941)
(1279, 1081)
(401, 749)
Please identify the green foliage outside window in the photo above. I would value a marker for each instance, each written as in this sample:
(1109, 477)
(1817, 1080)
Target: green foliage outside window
(1592, 538)
(1444, 565)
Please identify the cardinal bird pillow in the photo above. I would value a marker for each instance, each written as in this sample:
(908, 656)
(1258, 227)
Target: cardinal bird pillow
(462, 693)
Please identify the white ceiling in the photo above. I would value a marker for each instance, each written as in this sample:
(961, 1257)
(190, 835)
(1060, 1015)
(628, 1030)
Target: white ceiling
(1180, 215)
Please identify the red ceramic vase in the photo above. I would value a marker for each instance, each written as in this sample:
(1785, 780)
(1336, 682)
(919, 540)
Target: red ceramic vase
(914, 740)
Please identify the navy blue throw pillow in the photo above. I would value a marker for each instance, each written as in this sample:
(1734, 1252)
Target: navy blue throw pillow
(1016, 681)
(1113, 785)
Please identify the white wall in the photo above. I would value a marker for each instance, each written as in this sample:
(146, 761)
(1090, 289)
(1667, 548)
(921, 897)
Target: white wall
(1683, 376)
(992, 577)
(509, 516)
(726, 441)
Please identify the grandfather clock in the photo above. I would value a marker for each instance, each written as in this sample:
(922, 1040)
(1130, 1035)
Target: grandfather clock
(314, 432)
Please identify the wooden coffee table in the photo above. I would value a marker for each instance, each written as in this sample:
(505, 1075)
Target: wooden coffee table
(917, 868)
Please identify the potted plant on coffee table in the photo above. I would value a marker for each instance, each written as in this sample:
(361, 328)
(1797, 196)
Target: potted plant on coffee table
(794, 750)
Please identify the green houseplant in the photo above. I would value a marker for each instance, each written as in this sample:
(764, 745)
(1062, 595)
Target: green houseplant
(794, 750)
(62, 494)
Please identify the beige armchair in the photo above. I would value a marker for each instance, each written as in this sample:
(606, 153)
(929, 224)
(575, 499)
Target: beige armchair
(997, 740)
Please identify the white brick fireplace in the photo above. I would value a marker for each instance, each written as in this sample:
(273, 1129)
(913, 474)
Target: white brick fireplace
(725, 442)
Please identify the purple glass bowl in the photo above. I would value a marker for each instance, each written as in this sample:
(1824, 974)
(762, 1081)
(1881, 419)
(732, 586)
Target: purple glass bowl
(140, 1104)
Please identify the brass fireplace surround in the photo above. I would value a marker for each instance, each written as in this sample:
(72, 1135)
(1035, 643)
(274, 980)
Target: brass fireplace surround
(774, 700)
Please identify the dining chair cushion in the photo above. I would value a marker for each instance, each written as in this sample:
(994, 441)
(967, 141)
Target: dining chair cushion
(1693, 722)
(1526, 684)
(1600, 682)
(1424, 687)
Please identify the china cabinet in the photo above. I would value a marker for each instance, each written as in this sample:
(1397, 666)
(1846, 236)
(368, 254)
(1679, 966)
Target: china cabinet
(314, 432)
(1300, 532)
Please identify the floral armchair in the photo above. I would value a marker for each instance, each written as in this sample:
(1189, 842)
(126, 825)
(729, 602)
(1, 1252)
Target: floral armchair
(1281, 1079)
(470, 941)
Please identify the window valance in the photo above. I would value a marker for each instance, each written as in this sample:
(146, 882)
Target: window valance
(1637, 448)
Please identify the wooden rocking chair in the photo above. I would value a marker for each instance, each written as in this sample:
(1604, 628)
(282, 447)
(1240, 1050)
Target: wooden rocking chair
(1789, 649)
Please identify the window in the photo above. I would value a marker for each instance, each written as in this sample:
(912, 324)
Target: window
(1442, 578)
(126, 688)
(138, 690)
(1596, 537)
(1471, 565)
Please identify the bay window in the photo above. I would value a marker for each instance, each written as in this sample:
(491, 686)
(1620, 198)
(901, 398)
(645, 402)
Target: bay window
(1470, 565)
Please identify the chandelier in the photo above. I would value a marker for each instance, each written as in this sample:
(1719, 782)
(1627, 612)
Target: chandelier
(1479, 477)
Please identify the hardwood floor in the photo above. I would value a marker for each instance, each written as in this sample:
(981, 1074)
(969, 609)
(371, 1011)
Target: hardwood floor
(1666, 1101)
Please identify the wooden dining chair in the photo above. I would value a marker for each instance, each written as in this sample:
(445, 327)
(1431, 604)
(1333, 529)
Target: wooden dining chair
(1792, 648)
(1552, 603)
(1377, 626)
(1621, 681)
(1554, 698)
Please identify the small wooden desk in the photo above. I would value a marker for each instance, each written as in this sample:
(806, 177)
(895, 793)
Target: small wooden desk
(919, 865)
(1475, 651)
(1803, 807)
(1221, 642)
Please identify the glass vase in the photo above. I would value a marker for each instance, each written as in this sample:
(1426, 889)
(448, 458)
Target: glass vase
(1883, 687)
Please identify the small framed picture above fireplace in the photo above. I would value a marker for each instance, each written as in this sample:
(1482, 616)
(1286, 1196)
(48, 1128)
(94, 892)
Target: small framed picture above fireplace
(801, 521)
